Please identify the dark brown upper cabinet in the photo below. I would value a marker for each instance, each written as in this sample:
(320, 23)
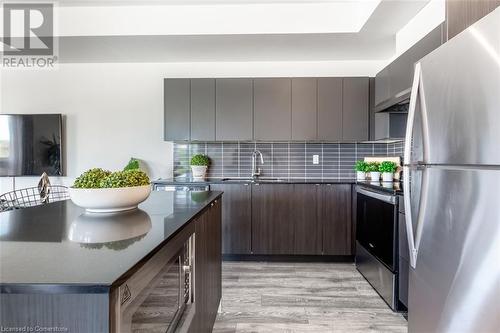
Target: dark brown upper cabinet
(202, 109)
(460, 14)
(330, 109)
(272, 109)
(234, 109)
(355, 109)
(304, 109)
(176, 94)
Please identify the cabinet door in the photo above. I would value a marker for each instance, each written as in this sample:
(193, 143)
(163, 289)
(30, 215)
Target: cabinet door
(207, 269)
(355, 111)
(401, 70)
(272, 109)
(234, 109)
(304, 109)
(214, 250)
(382, 86)
(236, 218)
(272, 230)
(330, 109)
(461, 14)
(334, 211)
(307, 230)
(203, 109)
(176, 109)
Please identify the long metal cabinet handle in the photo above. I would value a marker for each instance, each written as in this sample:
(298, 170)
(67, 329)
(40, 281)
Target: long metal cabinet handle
(384, 197)
(407, 161)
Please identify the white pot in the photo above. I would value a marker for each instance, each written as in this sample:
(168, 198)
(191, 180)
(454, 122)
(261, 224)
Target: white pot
(106, 200)
(375, 176)
(387, 176)
(199, 171)
(360, 175)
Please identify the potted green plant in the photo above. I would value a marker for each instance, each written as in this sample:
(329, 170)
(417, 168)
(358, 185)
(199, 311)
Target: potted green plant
(199, 165)
(372, 168)
(360, 168)
(387, 169)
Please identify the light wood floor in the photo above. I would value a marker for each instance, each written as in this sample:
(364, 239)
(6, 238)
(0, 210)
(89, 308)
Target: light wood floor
(301, 297)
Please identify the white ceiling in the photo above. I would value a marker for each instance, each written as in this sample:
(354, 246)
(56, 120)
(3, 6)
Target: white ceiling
(357, 30)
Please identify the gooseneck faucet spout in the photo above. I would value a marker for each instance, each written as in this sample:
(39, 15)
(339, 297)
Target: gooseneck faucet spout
(255, 169)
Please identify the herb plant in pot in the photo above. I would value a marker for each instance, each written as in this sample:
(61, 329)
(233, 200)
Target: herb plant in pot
(360, 168)
(372, 168)
(199, 165)
(387, 169)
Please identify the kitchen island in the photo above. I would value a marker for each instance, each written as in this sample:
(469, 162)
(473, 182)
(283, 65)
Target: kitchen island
(64, 270)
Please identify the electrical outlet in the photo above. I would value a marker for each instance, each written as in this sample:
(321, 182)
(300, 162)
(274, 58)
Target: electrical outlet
(315, 159)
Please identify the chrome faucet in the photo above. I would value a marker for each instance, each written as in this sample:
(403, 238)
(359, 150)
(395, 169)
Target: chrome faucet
(255, 169)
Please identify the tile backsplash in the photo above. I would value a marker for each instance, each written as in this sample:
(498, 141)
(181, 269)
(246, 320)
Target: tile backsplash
(281, 159)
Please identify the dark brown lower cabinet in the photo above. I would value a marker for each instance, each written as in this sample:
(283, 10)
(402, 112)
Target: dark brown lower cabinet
(208, 274)
(302, 219)
(334, 211)
(307, 227)
(272, 225)
(236, 218)
(148, 299)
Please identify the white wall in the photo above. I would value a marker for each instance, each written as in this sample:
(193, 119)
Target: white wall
(432, 15)
(112, 112)
(115, 111)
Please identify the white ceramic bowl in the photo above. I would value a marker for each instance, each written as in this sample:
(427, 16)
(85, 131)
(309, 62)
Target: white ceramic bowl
(107, 200)
(109, 227)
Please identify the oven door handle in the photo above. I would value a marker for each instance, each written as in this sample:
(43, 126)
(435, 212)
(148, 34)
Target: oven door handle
(376, 195)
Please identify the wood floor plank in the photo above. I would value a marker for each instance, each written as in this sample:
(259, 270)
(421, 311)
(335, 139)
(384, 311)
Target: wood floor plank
(301, 297)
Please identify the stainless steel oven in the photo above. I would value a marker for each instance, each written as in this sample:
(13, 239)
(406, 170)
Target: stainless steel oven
(158, 297)
(377, 241)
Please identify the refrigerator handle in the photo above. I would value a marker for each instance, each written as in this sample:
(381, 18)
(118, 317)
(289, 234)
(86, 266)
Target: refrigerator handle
(407, 161)
(411, 115)
(409, 217)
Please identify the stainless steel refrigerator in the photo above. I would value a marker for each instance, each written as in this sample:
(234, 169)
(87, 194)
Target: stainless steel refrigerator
(452, 184)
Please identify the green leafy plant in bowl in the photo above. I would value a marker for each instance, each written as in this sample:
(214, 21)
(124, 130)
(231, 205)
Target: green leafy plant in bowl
(103, 191)
(361, 169)
(387, 168)
(91, 178)
(199, 165)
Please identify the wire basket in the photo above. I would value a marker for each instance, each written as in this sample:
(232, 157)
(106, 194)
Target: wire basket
(29, 197)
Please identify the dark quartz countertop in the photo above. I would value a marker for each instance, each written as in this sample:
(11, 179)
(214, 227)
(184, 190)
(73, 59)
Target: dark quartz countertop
(208, 181)
(43, 246)
(395, 188)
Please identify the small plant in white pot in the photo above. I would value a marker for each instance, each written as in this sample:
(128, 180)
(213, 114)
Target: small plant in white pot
(360, 168)
(199, 165)
(372, 168)
(387, 169)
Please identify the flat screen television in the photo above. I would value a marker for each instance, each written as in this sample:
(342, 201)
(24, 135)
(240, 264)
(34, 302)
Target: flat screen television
(30, 144)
